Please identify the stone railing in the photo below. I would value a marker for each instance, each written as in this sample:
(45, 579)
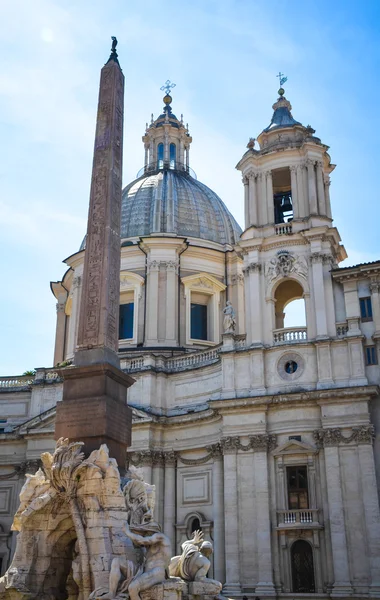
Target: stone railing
(16, 381)
(283, 229)
(297, 517)
(341, 329)
(289, 335)
(172, 364)
(197, 359)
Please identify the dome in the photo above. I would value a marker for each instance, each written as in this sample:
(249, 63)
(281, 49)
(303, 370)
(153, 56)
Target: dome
(172, 202)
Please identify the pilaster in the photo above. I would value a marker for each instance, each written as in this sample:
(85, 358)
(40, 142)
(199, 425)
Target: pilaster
(294, 191)
(312, 191)
(252, 200)
(320, 188)
(316, 260)
(169, 497)
(270, 203)
(219, 517)
(232, 585)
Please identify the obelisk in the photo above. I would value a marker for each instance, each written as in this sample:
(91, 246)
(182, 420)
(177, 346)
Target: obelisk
(94, 405)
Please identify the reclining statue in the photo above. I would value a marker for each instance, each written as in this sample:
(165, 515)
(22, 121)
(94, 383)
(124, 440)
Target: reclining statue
(193, 564)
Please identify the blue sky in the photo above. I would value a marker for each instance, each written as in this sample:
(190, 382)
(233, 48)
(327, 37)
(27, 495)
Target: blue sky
(223, 55)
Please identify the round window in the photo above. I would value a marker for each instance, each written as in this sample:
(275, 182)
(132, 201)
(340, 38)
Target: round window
(291, 367)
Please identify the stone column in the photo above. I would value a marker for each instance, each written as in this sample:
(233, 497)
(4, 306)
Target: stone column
(302, 212)
(253, 271)
(169, 498)
(152, 154)
(146, 147)
(253, 220)
(152, 303)
(321, 189)
(246, 202)
(219, 518)
(327, 196)
(60, 331)
(166, 148)
(232, 585)
(319, 294)
(374, 287)
(263, 211)
(294, 191)
(270, 202)
(181, 153)
(171, 302)
(342, 584)
(187, 157)
(313, 206)
(371, 508)
(265, 585)
(158, 482)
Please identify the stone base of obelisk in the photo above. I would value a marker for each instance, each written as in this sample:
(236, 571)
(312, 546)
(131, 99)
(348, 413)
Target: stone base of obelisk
(94, 409)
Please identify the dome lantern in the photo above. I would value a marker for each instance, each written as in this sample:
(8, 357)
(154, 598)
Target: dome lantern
(166, 140)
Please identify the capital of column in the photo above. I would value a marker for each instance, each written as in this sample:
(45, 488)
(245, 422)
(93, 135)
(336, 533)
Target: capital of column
(60, 307)
(237, 279)
(294, 168)
(363, 434)
(317, 257)
(245, 180)
(76, 282)
(170, 458)
(374, 287)
(310, 163)
(252, 268)
(158, 458)
(153, 265)
(140, 459)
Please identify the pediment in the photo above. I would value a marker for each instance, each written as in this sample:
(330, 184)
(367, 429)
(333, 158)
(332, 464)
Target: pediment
(203, 281)
(295, 447)
(139, 416)
(43, 423)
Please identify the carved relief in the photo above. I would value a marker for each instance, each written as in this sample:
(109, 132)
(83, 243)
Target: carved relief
(284, 264)
(364, 434)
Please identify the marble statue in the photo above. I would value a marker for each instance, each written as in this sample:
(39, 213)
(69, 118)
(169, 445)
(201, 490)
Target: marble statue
(157, 557)
(194, 563)
(85, 535)
(229, 321)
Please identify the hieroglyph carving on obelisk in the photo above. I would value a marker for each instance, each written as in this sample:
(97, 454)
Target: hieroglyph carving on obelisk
(99, 309)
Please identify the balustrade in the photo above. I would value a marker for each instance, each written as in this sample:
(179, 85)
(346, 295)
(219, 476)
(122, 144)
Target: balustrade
(283, 229)
(290, 335)
(297, 517)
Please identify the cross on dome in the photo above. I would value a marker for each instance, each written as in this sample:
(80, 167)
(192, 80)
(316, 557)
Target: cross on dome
(167, 87)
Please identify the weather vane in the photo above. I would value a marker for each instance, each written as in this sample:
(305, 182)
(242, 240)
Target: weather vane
(282, 78)
(168, 86)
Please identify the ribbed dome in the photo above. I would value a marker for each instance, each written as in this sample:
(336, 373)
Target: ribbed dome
(171, 201)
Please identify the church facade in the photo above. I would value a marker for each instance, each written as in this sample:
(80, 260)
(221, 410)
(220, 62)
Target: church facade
(263, 435)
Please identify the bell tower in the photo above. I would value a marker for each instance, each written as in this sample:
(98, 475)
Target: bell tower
(287, 178)
(289, 242)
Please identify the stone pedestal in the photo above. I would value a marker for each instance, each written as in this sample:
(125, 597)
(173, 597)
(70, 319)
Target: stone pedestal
(94, 409)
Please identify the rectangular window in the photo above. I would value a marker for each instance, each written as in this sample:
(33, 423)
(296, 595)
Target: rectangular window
(126, 321)
(298, 497)
(198, 321)
(365, 309)
(370, 355)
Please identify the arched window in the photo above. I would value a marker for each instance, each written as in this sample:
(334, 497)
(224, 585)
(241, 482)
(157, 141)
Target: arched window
(195, 525)
(302, 568)
(290, 313)
(160, 156)
(173, 152)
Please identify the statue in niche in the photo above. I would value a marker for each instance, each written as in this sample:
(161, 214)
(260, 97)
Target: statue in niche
(194, 562)
(229, 321)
